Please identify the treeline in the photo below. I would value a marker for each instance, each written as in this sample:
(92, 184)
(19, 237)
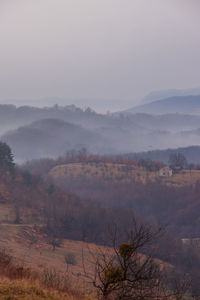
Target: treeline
(176, 160)
(44, 165)
(192, 154)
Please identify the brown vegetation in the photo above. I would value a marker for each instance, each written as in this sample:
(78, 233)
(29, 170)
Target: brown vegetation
(59, 215)
(20, 282)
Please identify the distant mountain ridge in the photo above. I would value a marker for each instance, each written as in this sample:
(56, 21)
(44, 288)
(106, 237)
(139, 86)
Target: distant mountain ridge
(164, 94)
(191, 153)
(177, 104)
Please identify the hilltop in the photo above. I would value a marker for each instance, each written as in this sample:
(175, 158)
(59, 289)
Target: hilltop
(50, 138)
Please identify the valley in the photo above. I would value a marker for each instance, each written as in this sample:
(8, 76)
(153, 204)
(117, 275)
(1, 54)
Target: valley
(35, 133)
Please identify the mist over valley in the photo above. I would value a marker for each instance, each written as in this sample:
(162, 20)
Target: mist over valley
(35, 133)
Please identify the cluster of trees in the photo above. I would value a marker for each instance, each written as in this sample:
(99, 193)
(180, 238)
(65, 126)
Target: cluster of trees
(161, 203)
(177, 206)
(177, 162)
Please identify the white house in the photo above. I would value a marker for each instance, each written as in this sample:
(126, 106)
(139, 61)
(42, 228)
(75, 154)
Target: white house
(166, 172)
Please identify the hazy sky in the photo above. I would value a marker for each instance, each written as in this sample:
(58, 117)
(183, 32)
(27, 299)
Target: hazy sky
(97, 50)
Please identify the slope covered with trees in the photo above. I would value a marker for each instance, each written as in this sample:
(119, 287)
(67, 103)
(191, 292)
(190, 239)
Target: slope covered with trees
(130, 184)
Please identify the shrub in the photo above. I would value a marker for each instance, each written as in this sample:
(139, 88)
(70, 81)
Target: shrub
(70, 259)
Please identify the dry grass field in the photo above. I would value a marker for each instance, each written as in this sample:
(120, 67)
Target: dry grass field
(54, 279)
(185, 177)
(29, 290)
(106, 171)
(121, 173)
(17, 240)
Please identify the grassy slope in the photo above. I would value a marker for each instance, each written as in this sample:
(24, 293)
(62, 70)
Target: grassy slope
(120, 173)
(29, 248)
(40, 257)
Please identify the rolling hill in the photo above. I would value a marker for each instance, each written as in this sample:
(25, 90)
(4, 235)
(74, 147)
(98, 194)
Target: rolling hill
(140, 132)
(35, 133)
(119, 173)
(50, 138)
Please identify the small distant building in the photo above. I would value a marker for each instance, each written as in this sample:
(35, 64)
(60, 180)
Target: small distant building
(166, 172)
(191, 242)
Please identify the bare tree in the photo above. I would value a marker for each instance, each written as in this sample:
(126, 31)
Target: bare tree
(129, 270)
(177, 161)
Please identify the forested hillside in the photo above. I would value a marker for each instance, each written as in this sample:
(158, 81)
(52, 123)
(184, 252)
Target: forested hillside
(129, 184)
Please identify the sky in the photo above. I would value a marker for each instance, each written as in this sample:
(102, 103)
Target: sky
(107, 54)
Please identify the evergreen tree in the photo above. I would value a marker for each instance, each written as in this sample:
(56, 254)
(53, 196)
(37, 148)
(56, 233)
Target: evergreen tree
(6, 158)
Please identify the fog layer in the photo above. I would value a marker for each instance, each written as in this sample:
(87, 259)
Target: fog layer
(96, 51)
